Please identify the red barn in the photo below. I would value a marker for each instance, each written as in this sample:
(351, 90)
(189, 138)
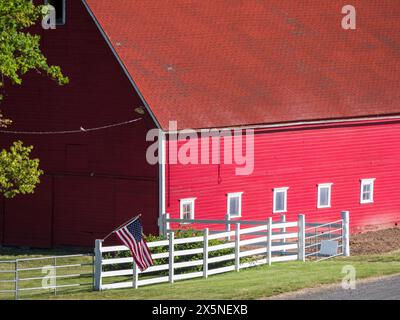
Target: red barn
(324, 104)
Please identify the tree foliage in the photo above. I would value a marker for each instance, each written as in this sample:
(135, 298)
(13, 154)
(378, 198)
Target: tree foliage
(19, 49)
(18, 173)
(20, 53)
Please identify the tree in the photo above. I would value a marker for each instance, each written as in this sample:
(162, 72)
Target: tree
(20, 53)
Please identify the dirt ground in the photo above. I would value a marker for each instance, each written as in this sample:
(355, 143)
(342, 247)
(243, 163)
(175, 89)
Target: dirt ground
(375, 242)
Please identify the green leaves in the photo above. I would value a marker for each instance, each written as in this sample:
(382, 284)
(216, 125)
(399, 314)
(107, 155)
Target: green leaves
(19, 50)
(20, 53)
(18, 173)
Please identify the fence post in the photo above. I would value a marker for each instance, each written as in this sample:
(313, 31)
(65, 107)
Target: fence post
(302, 238)
(283, 230)
(135, 275)
(171, 257)
(98, 265)
(166, 224)
(205, 253)
(16, 280)
(237, 246)
(55, 275)
(346, 233)
(228, 225)
(269, 240)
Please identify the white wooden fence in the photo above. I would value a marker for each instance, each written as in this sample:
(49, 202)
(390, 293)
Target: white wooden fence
(246, 242)
(264, 242)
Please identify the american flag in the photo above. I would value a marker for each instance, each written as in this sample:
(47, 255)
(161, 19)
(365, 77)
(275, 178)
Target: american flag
(131, 236)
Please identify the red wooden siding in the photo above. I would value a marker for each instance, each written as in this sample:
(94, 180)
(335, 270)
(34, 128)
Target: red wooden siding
(301, 159)
(93, 181)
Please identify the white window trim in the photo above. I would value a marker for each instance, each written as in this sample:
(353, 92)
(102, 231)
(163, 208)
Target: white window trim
(228, 206)
(187, 201)
(363, 182)
(276, 190)
(320, 186)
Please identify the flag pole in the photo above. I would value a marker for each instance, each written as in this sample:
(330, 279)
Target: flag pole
(122, 225)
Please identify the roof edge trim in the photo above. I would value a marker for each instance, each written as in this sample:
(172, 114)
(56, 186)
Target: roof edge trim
(295, 124)
(122, 65)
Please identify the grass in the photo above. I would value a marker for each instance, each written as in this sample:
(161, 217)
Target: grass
(253, 283)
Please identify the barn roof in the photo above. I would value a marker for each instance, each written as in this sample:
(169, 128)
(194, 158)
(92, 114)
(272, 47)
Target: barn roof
(233, 63)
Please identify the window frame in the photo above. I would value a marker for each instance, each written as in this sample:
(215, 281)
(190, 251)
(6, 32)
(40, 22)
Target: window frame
(64, 16)
(184, 201)
(363, 182)
(322, 186)
(229, 196)
(277, 190)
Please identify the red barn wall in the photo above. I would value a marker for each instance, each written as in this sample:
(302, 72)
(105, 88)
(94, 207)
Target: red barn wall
(93, 181)
(301, 159)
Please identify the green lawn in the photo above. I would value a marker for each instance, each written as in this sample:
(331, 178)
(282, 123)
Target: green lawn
(252, 283)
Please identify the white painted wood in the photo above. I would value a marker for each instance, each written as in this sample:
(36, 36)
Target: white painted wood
(171, 257)
(291, 257)
(114, 248)
(189, 240)
(166, 224)
(186, 264)
(221, 246)
(188, 275)
(220, 235)
(117, 261)
(159, 267)
(117, 285)
(253, 252)
(135, 276)
(161, 255)
(228, 226)
(283, 229)
(269, 241)
(188, 252)
(205, 253)
(280, 225)
(161, 178)
(98, 263)
(284, 236)
(221, 258)
(346, 233)
(253, 229)
(117, 273)
(237, 247)
(302, 238)
(221, 270)
(162, 243)
(145, 282)
(253, 240)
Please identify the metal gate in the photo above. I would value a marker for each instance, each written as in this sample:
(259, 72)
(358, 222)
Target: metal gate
(33, 277)
(327, 240)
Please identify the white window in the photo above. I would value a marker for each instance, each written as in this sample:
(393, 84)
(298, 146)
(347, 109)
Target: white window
(367, 191)
(234, 204)
(324, 195)
(280, 200)
(187, 208)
